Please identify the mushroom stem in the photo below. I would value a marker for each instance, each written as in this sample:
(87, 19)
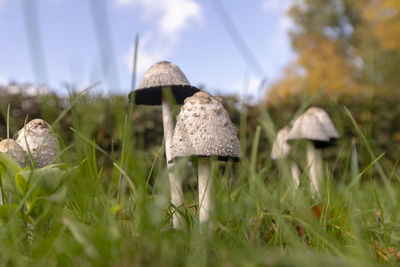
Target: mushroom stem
(174, 181)
(168, 124)
(314, 159)
(206, 189)
(295, 171)
(178, 220)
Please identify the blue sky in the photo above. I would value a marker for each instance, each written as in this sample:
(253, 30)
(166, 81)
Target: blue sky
(188, 33)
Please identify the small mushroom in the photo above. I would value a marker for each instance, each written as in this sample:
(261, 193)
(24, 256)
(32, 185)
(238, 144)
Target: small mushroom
(157, 78)
(38, 139)
(12, 148)
(212, 134)
(281, 149)
(315, 126)
(152, 91)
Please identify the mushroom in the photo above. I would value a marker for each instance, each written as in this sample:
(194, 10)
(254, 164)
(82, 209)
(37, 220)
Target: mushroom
(281, 149)
(12, 148)
(38, 139)
(152, 91)
(204, 130)
(316, 126)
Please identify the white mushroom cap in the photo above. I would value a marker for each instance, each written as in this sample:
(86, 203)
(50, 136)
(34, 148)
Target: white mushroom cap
(163, 73)
(12, 148)
(204, 129)
(314, 125)
(325, 119)
(40, 138)
(280, 148)
(158, 76)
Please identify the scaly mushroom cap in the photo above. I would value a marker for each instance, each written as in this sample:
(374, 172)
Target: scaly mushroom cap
(314, 125)
(39, 138)
(280, 148)
(161, 75)
(12, 148)
(204, 129)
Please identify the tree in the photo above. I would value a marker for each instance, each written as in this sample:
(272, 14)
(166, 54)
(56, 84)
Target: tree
(343, 46)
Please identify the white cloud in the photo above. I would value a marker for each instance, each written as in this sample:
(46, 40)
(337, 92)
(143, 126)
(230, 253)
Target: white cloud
(253, 88)
(151, 50)
(172, 16)
(124, 2)
(271, 5)
(2, 4)
(177, 15)
(3, 81)
(280, 7)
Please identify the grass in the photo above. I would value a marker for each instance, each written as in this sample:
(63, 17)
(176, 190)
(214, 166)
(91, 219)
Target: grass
(111, 208)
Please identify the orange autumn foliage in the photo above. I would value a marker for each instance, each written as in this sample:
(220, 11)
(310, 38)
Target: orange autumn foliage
(343, 47)
(383, 17)
(319, 64)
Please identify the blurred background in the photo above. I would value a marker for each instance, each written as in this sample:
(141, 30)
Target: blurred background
(216, 43)
(262, 55)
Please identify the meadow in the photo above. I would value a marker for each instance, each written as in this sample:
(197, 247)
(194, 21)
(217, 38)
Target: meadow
(105, 202)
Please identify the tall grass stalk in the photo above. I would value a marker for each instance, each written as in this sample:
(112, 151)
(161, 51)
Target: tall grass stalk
(259, 218)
